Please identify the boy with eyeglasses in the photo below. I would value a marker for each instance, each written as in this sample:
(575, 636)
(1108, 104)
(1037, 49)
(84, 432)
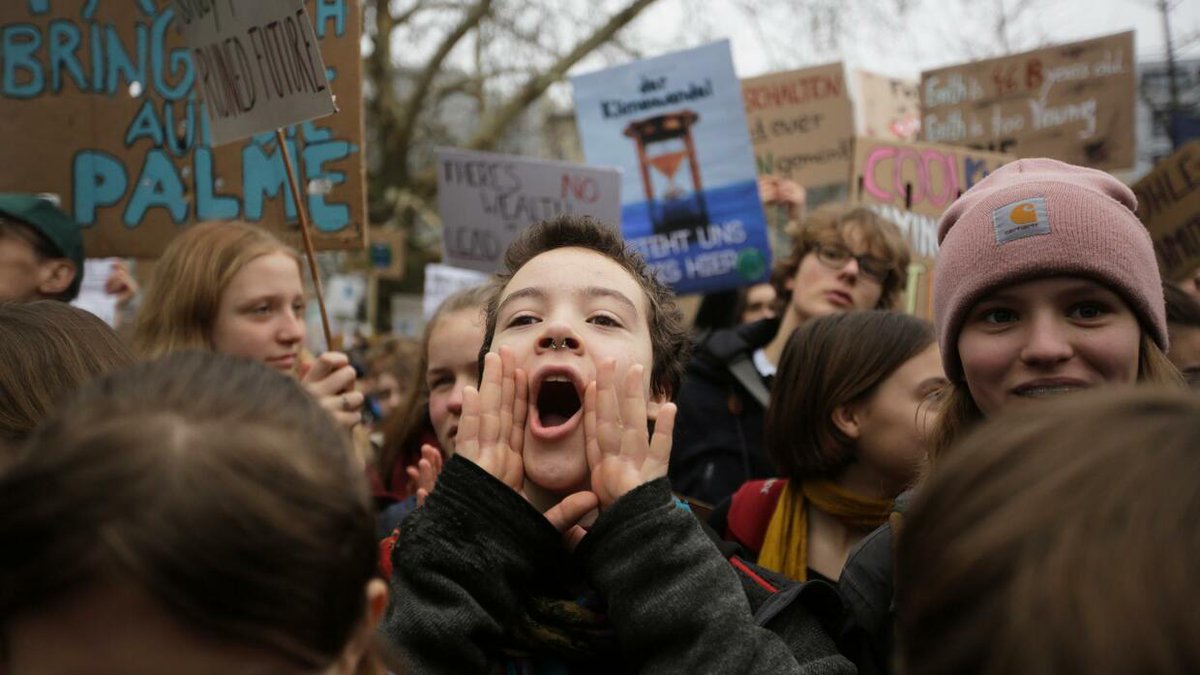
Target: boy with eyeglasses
(842, 259)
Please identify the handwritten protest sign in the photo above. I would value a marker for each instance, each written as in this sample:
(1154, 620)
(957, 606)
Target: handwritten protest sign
(1169, 205)
(911, 184)
(486, 200)
(442, 281)
(103, 107)
(689, 190)
(887, 108)
(801, 124)
(1072, 102)
(387, 248)
(257, 64)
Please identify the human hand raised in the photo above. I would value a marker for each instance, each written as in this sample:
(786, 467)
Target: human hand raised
(491, 431)
(423, 475)
(331, 380)
(620, 452)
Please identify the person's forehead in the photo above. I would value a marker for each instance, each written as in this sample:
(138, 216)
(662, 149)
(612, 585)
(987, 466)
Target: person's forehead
(574, 270)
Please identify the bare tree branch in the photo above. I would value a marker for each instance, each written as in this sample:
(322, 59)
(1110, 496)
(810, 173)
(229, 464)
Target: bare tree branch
(491, 128)
(407, 117)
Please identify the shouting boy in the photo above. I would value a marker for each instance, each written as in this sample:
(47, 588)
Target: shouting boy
(552, 543)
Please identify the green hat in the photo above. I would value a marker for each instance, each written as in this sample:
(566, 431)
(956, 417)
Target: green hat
(42, 215)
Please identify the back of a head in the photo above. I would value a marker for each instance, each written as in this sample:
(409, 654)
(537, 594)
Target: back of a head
(1059, 538)
(48, 349)
(828, 362)
(214, 484)
(180, 305)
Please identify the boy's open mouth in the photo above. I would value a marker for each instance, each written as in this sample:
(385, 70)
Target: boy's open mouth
(557, 405)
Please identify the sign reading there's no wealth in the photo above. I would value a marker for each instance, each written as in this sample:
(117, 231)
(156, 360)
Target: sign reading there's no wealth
(486, 200)
(258, 66)
(1072, 102)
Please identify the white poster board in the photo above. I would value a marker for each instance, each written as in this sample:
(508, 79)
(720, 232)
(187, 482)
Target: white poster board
(486, 200)
(441, 281)
(258, 66)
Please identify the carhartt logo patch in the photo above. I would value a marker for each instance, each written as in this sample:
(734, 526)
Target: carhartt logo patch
(1026, 218)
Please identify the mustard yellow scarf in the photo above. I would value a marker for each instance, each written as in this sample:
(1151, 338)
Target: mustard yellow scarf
(785, 547)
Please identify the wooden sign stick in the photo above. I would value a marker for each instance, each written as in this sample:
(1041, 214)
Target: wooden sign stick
(298, 198)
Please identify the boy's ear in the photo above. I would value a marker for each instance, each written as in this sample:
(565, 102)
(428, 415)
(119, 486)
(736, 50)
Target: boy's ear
(846, 418)
(55, 276)
(360, 642)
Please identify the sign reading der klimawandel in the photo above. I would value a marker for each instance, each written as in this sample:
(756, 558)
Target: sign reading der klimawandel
(676, 127)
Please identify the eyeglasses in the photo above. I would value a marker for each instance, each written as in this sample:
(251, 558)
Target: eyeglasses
(835, 257)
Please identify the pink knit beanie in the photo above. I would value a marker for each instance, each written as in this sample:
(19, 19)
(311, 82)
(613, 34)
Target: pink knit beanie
(1037, 218)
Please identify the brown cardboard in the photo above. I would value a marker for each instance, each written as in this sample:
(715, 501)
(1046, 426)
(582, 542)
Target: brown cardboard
(1169, 205)
(912, 184)
(801, 124)
(888, 108)
(1072, 102)
(91, 115)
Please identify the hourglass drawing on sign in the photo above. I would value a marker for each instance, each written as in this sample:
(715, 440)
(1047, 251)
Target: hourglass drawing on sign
(670, 171)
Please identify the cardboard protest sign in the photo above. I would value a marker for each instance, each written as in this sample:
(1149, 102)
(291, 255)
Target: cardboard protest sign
(911, 184)
(257, 64)
(801, 124)
(689, 191)
(442, 281)
(387, 248)
(1169, 205)
(887, 107)
(1072, 102)
(103, 107)
(486, 200)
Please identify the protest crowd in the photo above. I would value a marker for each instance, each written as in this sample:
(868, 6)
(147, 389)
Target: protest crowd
(714, 428)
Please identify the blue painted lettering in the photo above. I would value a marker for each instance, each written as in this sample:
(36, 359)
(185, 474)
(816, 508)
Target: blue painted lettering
(20, 43)
(64, 40)
(119, 62)
(157, 186)
(97, 179)
(330, 9)
(209, 204)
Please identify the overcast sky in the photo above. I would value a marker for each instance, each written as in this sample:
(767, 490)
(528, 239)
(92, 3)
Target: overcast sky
(940, 32)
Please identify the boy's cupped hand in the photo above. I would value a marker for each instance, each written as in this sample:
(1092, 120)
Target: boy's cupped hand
(619, 451)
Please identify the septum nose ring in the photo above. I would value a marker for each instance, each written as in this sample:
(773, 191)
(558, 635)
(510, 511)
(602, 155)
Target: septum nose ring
(554, 345)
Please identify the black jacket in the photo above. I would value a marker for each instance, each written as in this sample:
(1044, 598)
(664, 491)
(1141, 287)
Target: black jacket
(477, 561)
(867, 587)
(719, 427)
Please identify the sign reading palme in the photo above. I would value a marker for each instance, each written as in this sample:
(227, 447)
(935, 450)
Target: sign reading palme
(104, 107)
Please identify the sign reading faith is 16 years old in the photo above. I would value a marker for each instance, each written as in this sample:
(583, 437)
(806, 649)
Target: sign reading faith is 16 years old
(1073, 102)
(102, 106)
(257, 64)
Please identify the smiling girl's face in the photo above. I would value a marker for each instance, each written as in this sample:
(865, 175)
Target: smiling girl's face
(1045, 337)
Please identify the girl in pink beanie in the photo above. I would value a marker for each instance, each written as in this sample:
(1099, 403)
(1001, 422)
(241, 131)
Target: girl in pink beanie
(1046, 283)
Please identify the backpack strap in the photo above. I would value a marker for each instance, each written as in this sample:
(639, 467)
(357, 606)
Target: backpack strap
(750, 512)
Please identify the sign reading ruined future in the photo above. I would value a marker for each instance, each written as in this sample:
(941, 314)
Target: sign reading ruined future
(675, 126)
(486, 200)
(257, 64)
(1169, 205)
(801, 124)
(104, 106)
(1073, 103)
